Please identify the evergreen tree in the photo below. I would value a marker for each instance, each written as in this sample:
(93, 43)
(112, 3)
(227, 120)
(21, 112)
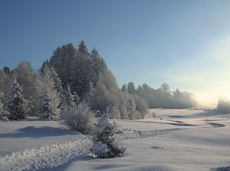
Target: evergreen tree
(131, 108)
(52, 87)
(62, 60)
(131, 88)
(82, 48)
(18, 106)
(69, 100)
(47, 108)
(105, 144)
(97, 65)
(124, 88)
(80, 69)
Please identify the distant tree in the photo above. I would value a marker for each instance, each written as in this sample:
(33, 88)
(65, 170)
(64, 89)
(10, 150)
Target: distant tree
(131, 109)
(3, 114)
(18, 106)
(52, 87)
(28, 79)
(105, 95)
(165, 88)
(6, 70)
(6, 80)
(163, 97)
(223, 105)
(62, 60)
(69, 100)
(141, 106)
(97, 65)
(123, 102)
(80, 69)
(57, 81)
(47, 108)
(131, 88)
(124, 88)
(82, 48)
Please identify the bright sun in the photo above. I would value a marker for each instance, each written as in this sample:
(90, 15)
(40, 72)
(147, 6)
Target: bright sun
(210, 97)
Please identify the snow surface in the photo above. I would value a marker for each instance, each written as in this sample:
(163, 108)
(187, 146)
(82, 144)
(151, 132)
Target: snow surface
(173, 140)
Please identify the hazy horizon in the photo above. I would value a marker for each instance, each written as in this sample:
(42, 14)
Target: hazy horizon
(182, 43)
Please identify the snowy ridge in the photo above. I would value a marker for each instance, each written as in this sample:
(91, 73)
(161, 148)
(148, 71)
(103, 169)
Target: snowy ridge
(46, 156)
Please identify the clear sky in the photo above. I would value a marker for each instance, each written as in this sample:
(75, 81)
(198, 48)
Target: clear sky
(185, 43)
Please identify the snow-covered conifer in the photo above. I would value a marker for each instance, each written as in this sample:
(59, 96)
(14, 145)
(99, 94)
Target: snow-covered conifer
(47, 108)
(18, 106)
(105, 144)
(68, 100)
(131, 108)
(52, 88)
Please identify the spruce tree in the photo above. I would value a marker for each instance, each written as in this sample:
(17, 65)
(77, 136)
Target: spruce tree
(69, 100)
(52, 87)
(18, 106)
(82, 48)
(47, 108)
(105, 144)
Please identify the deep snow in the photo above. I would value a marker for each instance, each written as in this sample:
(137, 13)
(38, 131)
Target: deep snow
(175, 139)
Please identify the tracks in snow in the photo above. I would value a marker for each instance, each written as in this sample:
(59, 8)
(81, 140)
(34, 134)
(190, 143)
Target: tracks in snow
(57, 154)
(46, 156)
(134, 134)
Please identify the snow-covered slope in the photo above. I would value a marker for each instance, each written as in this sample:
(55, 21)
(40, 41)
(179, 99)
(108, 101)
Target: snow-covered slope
(180, 140)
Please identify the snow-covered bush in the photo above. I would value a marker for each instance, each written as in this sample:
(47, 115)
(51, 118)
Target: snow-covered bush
(18, 106)
(79, 118)
(105, 144)
(223, 105)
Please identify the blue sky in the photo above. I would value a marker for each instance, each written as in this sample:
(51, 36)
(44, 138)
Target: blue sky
(183, 43)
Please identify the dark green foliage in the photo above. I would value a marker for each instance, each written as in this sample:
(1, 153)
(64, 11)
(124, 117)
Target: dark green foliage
(77, 68)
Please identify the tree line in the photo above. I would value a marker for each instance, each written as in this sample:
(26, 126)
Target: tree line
(161, 97)
(73, 76)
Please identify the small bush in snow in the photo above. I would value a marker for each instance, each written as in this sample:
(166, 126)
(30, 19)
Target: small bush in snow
(105, 144)
(223, 106)
(79, 118)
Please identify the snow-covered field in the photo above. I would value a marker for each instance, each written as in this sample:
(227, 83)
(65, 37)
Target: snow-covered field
(180, 140)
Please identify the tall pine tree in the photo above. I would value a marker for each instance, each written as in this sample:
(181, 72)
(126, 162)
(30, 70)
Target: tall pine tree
(18, 106)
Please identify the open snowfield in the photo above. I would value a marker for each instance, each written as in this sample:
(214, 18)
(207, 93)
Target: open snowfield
(172, 140)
